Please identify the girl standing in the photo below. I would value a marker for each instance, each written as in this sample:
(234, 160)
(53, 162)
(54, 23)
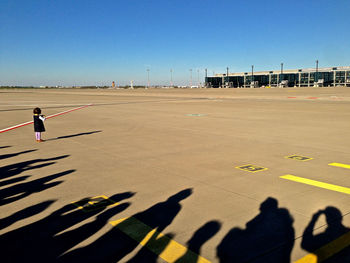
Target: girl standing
(38, 124)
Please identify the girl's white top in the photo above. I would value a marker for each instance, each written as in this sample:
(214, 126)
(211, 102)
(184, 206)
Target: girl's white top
(42, 118)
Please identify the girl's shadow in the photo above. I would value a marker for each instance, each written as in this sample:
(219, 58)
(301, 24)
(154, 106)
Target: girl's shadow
(73, 135)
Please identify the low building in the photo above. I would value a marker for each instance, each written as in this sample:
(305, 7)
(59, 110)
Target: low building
(323, 77)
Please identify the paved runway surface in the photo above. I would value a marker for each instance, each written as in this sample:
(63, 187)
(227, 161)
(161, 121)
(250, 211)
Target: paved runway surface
(195, 175)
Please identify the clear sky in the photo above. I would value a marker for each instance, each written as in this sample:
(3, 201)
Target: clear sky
(85, 42)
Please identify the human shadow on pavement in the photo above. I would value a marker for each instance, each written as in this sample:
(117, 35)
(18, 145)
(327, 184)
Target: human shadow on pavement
(25, 213)
(73, 135)
(3, 147)
(22, 190)
(269, 237)
(158, 244)
(5, 156)
(13, 180)
(18, 168)
(45, 240)
(313, 242)
(117, 243)
(202, 235)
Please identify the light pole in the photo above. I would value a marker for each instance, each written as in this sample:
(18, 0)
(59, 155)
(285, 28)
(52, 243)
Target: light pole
(198, 77)
(316, 76)
(227, 79)
(252, 76)
(206, 78)
(190, 78)
(148, 77)
(281, 79)
(171, 77)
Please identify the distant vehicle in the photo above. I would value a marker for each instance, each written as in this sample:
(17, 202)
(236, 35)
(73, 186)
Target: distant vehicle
(283, 84)
(319, 83)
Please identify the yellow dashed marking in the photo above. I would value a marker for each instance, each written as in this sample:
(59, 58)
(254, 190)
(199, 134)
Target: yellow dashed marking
(302, 180)
(347, 166)
(160, 244)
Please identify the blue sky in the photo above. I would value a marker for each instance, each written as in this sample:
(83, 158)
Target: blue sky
(84, 42)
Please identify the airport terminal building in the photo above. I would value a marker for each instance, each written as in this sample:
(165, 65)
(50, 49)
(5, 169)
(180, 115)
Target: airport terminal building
(322, 77)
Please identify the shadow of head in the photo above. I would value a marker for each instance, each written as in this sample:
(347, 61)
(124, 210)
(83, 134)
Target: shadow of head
(333, 216)
(121, 196)
(176, 198)
(269, 204)
(204, 233)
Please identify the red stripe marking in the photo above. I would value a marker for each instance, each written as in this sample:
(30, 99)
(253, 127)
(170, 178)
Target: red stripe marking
(312, 98)
(48, 117)
(292, 97)
(64, 112)
(15, 127)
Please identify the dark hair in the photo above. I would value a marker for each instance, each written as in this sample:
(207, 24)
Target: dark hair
(37, 111)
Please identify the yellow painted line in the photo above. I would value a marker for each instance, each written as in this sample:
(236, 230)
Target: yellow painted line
(251, 168)
(298, 157)
(160, 244)
(327, 251)
(93, 202)
(310, 258)
(302, 180)
(347, 166)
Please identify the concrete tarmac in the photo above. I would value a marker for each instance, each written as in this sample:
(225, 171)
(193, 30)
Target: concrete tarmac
(170, 158)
